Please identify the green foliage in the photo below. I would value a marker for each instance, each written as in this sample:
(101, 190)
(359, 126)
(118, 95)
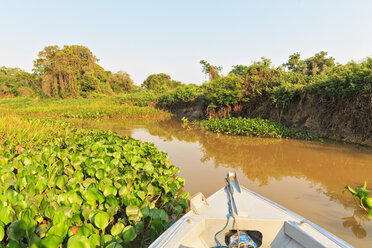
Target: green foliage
(212, 70)
(15, 82)
(139, 97)
(362, 193)
(223, 91)
(239, 70)
(185, 93)
(318, 64)
(75, 189)
(253, 127)
(160, 83)
(106, 107)
(72, 71)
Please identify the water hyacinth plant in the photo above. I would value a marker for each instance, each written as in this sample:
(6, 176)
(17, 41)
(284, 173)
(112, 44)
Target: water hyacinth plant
(362, 194)
(254, 127)
(88, 189)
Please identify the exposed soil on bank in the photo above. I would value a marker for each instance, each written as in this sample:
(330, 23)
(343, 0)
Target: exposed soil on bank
(341, 119)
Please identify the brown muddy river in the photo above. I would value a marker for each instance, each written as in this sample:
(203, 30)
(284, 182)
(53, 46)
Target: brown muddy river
(306, 177)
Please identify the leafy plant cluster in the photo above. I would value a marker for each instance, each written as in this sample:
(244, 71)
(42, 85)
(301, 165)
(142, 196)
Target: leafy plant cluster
(253, 127)
(362, 193)
(15, 82)
(185, 93)
(67, 72)
(88, 189)
(160, 83)
(139, 97)
(318, 75)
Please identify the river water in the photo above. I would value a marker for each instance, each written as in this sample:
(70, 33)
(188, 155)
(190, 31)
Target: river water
(305, 177)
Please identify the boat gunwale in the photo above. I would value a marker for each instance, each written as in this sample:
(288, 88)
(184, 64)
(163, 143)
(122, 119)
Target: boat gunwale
(177, 225)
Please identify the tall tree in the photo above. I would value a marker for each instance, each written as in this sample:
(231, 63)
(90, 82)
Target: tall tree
(61, 70)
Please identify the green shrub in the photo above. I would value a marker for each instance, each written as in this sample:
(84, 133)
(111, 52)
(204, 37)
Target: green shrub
(139, 97)
(185, 93)
(223, 91)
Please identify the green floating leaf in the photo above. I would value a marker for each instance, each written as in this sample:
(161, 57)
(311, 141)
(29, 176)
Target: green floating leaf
(132, 210)
(111, 199)
(100, 173)
(59, 229)
(78, 241)
(85, 230)
(13, 244)
(92, 195)
(101, 220)
(2, 233)
(52, 241)
(61, 181)
(114, 245)
(94, 240)
(141, 194)
(5, 213)
(129, 233)
(14, 231)
(110, 190)
(117, 229)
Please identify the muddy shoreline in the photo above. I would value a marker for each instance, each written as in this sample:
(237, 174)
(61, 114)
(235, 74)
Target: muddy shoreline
(341, 119)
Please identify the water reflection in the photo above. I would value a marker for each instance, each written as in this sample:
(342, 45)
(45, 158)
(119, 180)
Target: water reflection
(355, 223)
(306, 177)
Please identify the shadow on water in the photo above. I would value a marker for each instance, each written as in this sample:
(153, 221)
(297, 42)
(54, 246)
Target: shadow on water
(306, 177)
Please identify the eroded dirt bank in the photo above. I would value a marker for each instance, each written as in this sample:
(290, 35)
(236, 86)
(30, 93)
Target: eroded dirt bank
(342, 119)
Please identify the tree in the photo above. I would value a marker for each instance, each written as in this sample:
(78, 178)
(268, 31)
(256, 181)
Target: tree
(73, 71)
(121, 82)
(211, 70)
(319, 63)
(63, 70)
(239, 70)
(160, 82)
(295, 64)
(14, 81)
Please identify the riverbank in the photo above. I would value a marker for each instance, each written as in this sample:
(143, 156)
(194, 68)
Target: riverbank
(88, 186)
(340, 119)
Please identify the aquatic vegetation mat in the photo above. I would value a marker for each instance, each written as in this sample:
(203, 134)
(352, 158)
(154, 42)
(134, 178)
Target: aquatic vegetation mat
(89, 188)
(254, 127)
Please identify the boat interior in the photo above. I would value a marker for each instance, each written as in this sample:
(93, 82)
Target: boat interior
(265, 233)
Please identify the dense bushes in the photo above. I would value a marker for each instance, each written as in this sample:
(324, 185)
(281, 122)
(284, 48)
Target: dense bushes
(185, 93)
(84, 188)
(15, 82)
(160, 83)
(139, 97)
(223, 91)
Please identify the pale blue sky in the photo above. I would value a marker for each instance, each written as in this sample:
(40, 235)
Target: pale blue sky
(145, 37)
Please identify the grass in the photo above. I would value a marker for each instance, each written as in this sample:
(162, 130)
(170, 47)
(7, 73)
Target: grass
(104, 107)
(30, 133)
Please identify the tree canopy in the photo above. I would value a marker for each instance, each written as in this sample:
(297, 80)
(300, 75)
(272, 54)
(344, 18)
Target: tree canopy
(160, 82)
(73, 70)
